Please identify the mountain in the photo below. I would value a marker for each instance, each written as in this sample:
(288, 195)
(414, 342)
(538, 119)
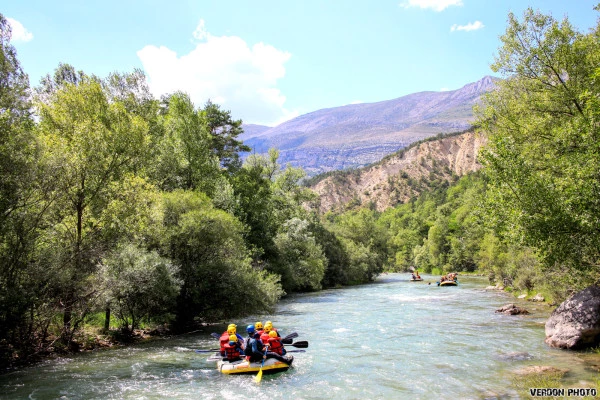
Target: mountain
(401, 176)
(359, 134)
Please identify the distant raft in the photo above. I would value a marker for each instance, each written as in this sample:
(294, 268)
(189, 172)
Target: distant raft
(448, 283)
(415, 280)
(271, 366)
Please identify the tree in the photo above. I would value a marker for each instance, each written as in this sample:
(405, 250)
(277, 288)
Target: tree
(139, 283)
(184, 156)
(224, 132)
(543, 161)
(22, 202)
(217, 278)
(91, 144)
(300, 262)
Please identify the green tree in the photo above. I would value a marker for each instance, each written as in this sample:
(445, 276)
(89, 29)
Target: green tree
(22, 202)
(91, 144)
(207, 244)
(543, 161)
(139, 284)
(184, 155)
(300, 262)
(224, 132)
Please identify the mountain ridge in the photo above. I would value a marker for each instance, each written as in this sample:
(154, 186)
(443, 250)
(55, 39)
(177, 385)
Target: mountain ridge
(355, 135)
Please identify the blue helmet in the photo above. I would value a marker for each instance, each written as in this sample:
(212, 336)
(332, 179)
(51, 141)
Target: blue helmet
(250, 329)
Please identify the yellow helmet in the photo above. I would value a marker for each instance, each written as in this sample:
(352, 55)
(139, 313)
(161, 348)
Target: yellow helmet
(258, 325)
(231, 330)
(267, 329)
(269, 323)
(233, 338)
(272, 334)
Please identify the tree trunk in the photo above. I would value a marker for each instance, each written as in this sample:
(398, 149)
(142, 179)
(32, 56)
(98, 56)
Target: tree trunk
(107, 319)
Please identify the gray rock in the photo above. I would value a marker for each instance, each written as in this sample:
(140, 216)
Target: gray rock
(575, 324)
(511, 309)
(515, 356)
(522, 296)
(540, 369)
(538, 297)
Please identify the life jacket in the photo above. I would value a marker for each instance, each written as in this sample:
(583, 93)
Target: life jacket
(275, 345)
(264, 338)
(232, 352)
(223, 340)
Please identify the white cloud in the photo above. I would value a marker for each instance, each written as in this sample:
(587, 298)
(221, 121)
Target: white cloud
(226, 70)
(19, 33)
(471, 26)
(436, 5)
(444, 89)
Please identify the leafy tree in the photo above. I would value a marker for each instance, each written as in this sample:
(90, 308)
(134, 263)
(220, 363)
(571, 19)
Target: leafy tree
(138, 284)
(300, 262)
(91, 144)
(543, 161)
(21, 201)
(207, 244)
(184, 156)
(224, 132)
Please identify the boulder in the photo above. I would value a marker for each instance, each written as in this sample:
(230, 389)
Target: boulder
(538, 297)
(522, 296)
(540, 369)
(511, 309)
(575, 324)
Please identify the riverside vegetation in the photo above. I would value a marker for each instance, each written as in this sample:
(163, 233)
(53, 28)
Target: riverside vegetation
(123, 209)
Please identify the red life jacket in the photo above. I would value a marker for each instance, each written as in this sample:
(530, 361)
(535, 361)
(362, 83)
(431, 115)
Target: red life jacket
(275, 345)
(232, 352)
(223, 340)
(264, 338)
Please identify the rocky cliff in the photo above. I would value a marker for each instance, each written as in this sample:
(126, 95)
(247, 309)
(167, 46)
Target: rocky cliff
(400, 176)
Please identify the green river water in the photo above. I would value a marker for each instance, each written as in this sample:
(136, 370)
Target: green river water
(392, 339)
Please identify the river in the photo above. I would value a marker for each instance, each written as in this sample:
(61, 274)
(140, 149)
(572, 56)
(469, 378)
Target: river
(391, 339)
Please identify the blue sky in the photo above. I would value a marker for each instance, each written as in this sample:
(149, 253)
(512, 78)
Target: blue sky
(268, 61)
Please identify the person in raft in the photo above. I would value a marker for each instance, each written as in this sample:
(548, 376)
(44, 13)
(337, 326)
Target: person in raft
(264, 337)
(233, 349)
(255, 350)
(258, 327)
(231, 330)
(275, 344)
(270, 324)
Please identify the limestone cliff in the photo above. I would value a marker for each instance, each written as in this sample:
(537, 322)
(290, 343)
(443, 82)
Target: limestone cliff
(400, 176)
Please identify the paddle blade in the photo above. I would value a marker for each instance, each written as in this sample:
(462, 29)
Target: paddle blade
(287, 341)
(215, 335)
(300, 345)
(290, 336)
(258, 376)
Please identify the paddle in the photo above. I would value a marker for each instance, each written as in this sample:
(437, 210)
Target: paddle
(207, 351)
(301, 345)
(259, 375)
(288, 338)
(295, 351)
(215, 335)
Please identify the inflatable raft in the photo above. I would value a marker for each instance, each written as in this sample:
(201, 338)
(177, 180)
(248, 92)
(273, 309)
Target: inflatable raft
(448, 283)
(415, 280)
(272, 365)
